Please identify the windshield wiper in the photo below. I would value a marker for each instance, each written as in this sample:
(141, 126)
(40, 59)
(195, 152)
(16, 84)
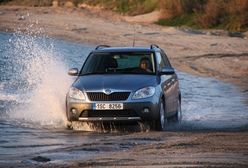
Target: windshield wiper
(92, 73)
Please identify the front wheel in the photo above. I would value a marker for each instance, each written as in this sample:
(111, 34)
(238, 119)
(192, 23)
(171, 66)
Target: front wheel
(177, 118)
(69, 125)
(179, 112)
(160, 123)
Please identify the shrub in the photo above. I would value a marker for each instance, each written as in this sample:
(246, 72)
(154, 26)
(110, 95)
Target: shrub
(172, 8)
(213, 14)
(228, 14)
(238, 11)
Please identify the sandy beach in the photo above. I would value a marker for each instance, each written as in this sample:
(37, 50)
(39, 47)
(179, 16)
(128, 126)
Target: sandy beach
(203, 53)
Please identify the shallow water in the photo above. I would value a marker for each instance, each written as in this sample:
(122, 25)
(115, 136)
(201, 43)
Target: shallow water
(33, 84)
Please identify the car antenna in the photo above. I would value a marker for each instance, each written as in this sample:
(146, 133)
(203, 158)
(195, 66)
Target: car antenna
(134, 38)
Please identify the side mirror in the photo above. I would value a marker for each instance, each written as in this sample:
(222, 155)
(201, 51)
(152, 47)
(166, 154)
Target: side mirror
(73, 72)
(167, 71)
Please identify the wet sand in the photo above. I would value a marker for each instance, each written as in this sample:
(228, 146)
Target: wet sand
(182, 149)
(221, 57)
(144, 149)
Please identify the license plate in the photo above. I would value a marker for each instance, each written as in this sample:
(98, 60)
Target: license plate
(108, 106)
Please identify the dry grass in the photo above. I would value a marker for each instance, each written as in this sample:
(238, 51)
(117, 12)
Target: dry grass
(227, 14)
(213, 14)
(232, 14)
(172, 8)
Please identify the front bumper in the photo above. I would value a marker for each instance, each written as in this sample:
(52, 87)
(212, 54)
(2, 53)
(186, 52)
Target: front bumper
(146, 109)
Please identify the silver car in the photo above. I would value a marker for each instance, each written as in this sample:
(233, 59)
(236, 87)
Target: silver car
(125, 84)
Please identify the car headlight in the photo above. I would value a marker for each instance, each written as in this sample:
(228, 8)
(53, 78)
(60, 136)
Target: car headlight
(76, 94)
(144, 93)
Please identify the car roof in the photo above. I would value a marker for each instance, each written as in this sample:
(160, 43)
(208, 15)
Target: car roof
(125, 49)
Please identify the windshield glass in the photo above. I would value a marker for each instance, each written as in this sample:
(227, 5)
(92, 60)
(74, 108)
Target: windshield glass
(131, 63)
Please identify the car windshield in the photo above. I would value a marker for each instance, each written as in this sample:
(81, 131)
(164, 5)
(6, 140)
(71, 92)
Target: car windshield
(115, 63)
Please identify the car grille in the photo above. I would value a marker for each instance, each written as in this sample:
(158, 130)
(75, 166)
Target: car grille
(108, 113)
(116, 96)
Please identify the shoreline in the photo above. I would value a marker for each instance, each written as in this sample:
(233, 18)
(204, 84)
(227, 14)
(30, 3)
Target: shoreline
(221, 57)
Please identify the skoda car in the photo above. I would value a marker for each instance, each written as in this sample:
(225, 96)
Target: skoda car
(125, 84)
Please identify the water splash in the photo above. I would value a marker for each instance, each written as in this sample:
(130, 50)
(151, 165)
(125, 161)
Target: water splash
(40, 80)
(109, 127)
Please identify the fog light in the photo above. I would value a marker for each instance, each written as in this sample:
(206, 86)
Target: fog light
(146, 110)
(73, 111)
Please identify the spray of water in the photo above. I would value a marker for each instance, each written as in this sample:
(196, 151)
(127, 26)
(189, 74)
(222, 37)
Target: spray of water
(40, 79)
(110, 127)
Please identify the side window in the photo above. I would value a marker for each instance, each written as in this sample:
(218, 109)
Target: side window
(160, 60)
(166, 60)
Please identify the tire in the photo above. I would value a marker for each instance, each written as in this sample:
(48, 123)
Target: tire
(160, 123)
(177, 118)
(69, 125)
(179, 112)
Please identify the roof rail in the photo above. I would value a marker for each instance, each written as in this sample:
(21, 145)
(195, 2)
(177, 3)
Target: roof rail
(154, 46)
(101, 46)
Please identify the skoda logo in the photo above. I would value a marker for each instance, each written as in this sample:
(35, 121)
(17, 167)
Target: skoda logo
(107, 91)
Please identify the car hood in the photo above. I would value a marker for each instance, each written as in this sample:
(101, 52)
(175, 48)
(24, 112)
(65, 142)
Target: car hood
(114, 82)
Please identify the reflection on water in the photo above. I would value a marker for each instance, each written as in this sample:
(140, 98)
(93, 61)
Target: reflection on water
(34, 81)
(208, 103)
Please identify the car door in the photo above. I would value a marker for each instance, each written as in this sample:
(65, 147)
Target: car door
(166, 84)
(174, 85)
